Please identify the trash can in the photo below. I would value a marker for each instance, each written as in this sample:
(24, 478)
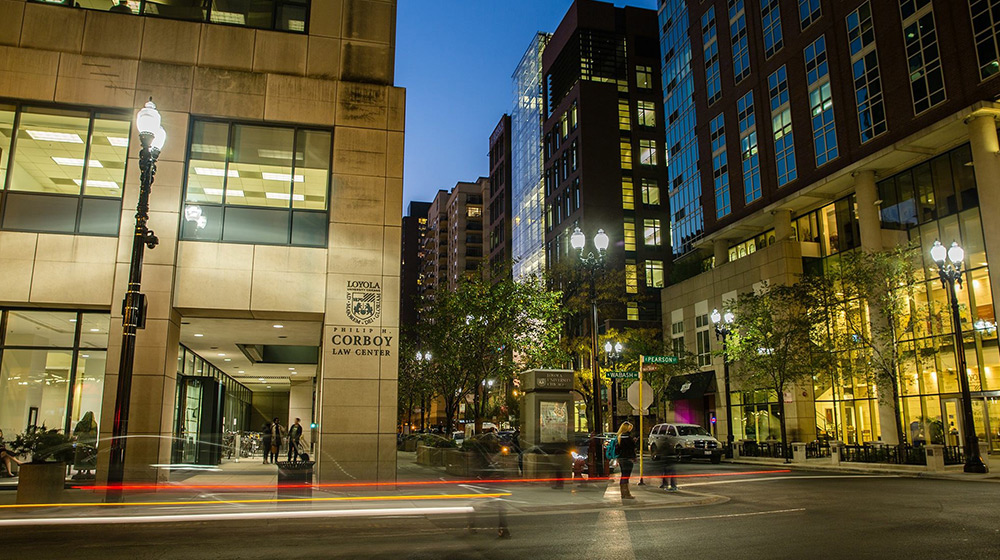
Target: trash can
(295, 479)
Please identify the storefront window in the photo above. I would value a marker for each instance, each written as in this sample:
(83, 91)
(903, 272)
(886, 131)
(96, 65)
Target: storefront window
(51, 373)
(67, 169)
(256, 184)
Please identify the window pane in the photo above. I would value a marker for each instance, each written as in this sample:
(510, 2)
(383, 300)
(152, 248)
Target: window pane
(312, 164)
(309, 228)
(202, 222)
(40, 328)
(292, 18)
(260, 171)
(94, 330)
(251, 13)
(88, 396)
(6, 133)
(176, 9)
(207, 163)
(33, 383)
(255, 225)
(109, 146)
(50, 150)
(29, 212)
(100, 217)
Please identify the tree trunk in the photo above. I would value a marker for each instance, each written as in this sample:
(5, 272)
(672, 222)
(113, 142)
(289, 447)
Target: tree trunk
(782, 420)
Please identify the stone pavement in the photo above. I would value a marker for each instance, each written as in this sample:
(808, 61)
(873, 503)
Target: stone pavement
(950, 472)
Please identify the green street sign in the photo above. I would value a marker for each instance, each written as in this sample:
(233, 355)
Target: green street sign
(622, 374)
(659, 359)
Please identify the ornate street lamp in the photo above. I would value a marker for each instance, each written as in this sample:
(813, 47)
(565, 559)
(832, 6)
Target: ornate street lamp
(612, 354)
(593, 263)
(950, 270)
(722, 322)
(152, 137)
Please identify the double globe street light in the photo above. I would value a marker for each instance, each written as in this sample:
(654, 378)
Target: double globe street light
(949, 262)
(612, 354)
(593, 263)
(723, 322)
(152, 137)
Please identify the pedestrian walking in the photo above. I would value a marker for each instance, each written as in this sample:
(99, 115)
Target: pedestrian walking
(265, 437)
(277, 434)
(665, 461)
(294, 437)
(625, 447)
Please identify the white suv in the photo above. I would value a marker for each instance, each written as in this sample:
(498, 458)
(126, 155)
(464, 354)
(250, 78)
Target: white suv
(686, 441)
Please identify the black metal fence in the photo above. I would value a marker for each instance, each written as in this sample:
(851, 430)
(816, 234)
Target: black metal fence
(817, 449)
(953, 455)
(771, 449)
(893, 454)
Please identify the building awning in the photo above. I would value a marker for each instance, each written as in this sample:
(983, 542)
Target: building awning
(690, 386)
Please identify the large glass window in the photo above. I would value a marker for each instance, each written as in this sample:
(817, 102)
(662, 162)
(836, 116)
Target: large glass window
(646, 113)
(257, 184)
(865, 69)
(647, 152)
(66, 169)
(654, 274)
(281, 15)
(986, 29)
(713, 81)
(651, 232)
(748, 148)
(650, 192)
(781, 126)
(740, 42)
(770, 17)
(821, 102)
(922, 54)
(52, 366)
(720, 167)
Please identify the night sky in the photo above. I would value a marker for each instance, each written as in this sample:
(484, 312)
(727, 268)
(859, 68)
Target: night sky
(455, 59)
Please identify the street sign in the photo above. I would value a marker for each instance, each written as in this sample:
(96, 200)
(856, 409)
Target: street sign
(633, 395)
(659, 359)
(622, 374)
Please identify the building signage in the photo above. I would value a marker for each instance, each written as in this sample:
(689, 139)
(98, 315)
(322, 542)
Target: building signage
(361, 341)
(364, 301)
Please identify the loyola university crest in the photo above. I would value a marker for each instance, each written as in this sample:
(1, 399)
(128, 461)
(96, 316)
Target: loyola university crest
(364, 301)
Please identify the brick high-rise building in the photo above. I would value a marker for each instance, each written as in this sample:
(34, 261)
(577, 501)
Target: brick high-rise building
(497, 205)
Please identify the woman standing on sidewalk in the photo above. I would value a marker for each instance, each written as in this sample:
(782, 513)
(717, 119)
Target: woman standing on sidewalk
(625, 445)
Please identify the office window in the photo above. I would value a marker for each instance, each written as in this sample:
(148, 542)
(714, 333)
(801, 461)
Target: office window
(865, 70)
(626, 154)
(624, 120)
(654, 274)
(809, 11)
(986, 30)
(704, 341)
(628, 194)
(651, 232)
(748, 148)
(739, 39)
(923, 54)
(646, 112)
(573, 122)
(67, 169)
(631, 277)
(280, 15)
(770, 17)
(629, 236)
(781, 126)
(650, 192)
(573, 155)
(643, 77)
(632, 313)
(257, 184)
(720, 166)
(713, 80)
(821, 102)
(647, 152)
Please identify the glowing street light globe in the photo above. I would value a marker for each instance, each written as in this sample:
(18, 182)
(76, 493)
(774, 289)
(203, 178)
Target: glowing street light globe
(955, 253)
(578, 240)
(938, 252)
(601, 240)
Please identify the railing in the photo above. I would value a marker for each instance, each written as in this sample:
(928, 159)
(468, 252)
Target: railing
(817, 449)
(772, 449)
(882, 453)
(953, 455)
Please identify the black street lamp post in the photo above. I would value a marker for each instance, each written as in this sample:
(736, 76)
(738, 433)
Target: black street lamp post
(152, 136)
(613, 353)
(593, 263)
(950, 270)
(722, 322)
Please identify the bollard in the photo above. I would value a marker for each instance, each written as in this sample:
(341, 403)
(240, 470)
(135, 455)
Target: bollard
(835, 453)
(798, 452)
(935, 457)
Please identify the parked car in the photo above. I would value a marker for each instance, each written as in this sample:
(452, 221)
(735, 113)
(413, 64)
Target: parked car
(688, 441)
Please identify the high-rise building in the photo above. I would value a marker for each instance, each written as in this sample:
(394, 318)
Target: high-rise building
(527, 240)
(605, 161)
(410, 275)
(845, 126)
(454, 241)
(276, 203)
(496, 205)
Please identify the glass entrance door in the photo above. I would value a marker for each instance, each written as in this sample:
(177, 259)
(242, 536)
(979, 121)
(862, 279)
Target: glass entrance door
(952, 421)
(992, 442)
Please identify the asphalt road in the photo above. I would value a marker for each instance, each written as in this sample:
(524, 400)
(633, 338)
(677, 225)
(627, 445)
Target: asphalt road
(799, 515)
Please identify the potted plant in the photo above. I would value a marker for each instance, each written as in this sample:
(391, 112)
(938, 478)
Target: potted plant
(41, 480)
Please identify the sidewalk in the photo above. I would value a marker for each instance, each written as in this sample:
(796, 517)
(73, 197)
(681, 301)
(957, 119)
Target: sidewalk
(951, 472)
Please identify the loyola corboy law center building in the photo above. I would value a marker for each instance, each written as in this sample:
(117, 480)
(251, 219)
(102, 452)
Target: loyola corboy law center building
(277, 201)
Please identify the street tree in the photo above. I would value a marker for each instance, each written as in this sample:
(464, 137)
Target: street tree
(777, 341)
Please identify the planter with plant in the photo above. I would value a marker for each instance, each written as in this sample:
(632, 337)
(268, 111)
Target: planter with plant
(42, 479)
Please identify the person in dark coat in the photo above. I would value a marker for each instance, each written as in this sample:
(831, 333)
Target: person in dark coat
(294, 437)
(626, 457)
(277, 433)
(265, 437)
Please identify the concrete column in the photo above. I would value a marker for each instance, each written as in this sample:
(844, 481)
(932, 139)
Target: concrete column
(869, 221)
(782, 224)
(721, 248)
(986, 162)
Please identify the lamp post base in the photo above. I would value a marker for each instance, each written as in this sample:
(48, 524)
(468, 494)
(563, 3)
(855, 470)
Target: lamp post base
(975, 465)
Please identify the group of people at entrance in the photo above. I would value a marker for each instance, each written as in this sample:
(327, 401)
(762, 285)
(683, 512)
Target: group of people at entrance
(274, 435)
